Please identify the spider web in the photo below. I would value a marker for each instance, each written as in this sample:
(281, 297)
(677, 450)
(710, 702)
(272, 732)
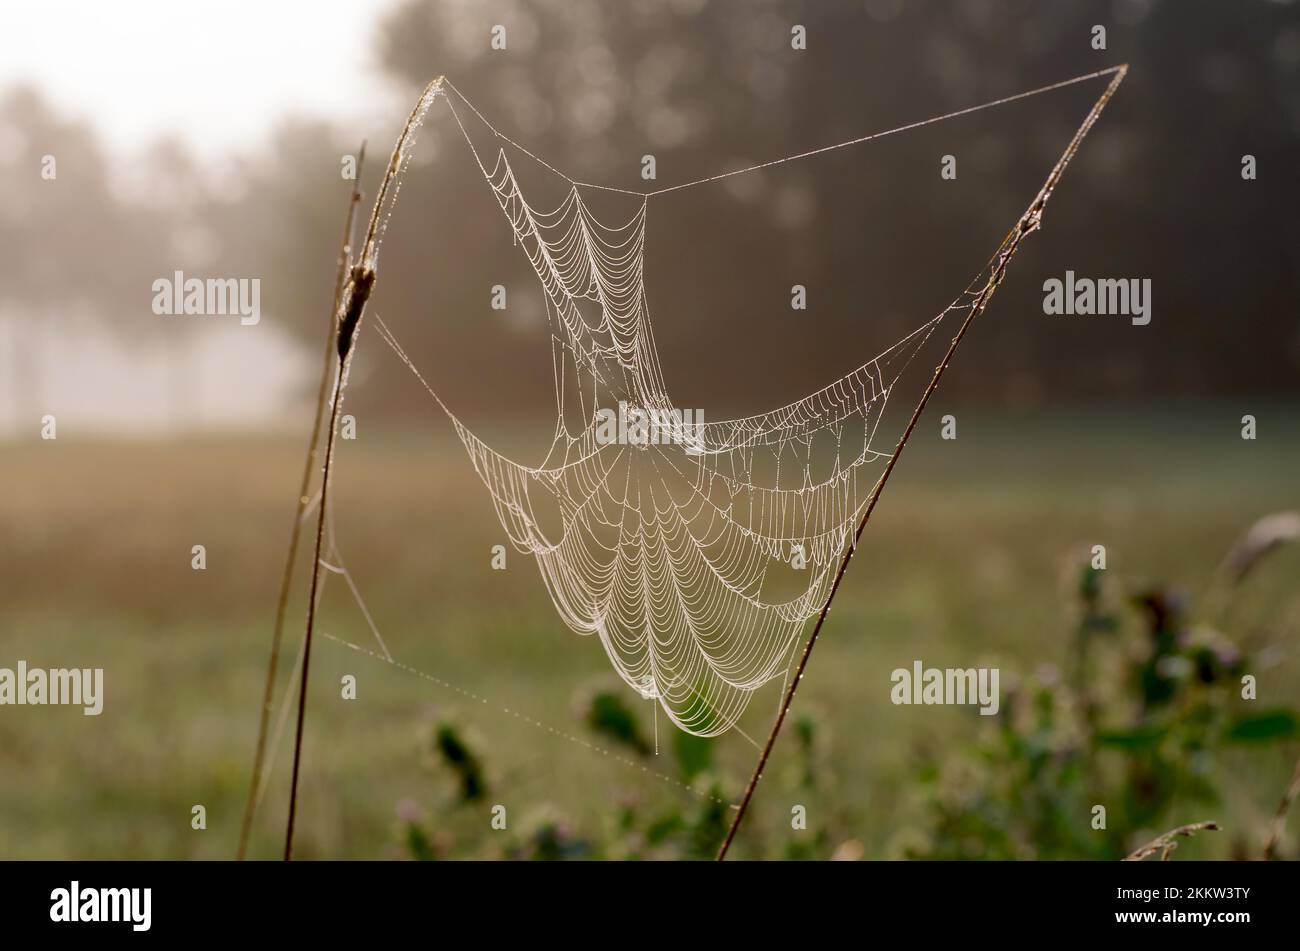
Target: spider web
(695, 552)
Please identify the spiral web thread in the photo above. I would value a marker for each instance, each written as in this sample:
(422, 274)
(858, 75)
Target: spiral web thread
(696, 557)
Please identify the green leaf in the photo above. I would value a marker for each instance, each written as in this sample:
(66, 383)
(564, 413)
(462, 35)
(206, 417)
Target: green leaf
(1261, 727)
(608, 713)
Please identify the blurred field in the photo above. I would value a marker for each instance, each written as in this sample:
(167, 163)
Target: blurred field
(967, 563)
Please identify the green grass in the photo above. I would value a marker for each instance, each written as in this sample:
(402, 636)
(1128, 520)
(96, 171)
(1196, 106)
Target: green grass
(968, 561)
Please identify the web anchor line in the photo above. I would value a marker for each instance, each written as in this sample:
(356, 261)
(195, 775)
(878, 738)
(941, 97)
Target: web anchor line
(538, 724)
(1005, 100)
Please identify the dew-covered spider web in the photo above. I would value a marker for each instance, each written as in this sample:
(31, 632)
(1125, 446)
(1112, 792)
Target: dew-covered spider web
(695, 552)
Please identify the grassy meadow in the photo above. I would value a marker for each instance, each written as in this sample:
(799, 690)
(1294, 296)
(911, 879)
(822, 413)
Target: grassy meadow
(972, 560)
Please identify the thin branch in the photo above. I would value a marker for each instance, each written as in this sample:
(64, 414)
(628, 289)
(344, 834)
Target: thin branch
(352, 307)
(286, 580)
(1279, 820)
(1166, 843)
(1027, 224)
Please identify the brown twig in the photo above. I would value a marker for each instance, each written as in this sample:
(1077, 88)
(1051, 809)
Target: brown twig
(1279, 820)
(1027, 224)
(352, 307)
(1166, 843)
(286, 580)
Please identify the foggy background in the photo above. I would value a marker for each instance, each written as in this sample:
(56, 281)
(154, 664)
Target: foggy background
(180, 146)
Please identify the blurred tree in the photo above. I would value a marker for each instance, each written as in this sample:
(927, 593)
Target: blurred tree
(878, 238)
(707, 87)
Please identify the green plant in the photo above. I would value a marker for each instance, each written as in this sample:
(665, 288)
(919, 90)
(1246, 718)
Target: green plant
(1154, 703)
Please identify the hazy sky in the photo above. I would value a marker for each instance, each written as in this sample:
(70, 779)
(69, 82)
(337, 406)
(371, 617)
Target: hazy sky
(216, 72)
(219, 74)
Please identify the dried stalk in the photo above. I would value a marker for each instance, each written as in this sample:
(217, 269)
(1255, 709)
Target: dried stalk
(351, 309)
(1028, 223)
(1279, 820)
(286, 580)
(1166, 843)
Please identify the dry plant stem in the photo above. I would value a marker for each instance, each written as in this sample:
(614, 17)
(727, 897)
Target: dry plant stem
(286, 580)
(1279, 820)
(1165, 844)
(352, 307)
(1028, 223)
(339, 380)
